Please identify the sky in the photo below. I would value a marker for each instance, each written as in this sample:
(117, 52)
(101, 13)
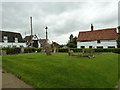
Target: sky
(62, 18)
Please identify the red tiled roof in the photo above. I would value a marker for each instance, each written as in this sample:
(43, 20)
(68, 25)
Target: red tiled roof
(102, 34)
(28, 37)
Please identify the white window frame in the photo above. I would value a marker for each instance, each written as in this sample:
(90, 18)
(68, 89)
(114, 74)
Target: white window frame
(16, 40)
(5, 39)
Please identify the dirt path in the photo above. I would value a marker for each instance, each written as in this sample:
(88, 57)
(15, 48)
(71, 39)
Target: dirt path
(11, 81)
(118, 85)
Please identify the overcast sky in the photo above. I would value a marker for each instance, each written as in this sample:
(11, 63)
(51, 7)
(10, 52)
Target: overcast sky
(62, 18)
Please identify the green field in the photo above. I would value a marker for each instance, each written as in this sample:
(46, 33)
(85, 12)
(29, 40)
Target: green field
(62, 71)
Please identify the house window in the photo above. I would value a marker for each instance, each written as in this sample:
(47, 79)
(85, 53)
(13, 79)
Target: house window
(99, 46)
(5, 38)
(82, 46)
(90, 46)
(21, 45)
(16, 40)
(111, 46)
(98, 41)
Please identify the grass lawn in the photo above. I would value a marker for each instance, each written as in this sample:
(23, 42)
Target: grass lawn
(62, 71)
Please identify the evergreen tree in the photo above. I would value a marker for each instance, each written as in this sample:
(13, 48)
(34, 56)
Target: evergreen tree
(71, 37)
(72, 43)
(118, 42)
(118, 29)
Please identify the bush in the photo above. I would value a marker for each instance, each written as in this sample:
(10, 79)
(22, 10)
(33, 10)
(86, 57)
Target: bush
(66, 50)
(32, 49)
(38, 49)
(16, 50)
(29, 49)
(62, 50)
(76, 49)
(114, 50)
(13, 50)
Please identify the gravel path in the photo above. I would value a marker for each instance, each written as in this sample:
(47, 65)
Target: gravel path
(11, 81)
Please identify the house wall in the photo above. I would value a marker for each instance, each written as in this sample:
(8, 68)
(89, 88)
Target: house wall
(6, 44)
(94, 44)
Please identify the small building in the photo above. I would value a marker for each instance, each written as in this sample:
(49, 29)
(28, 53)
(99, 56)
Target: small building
(32, 41)
(11, 39)
(102, 38)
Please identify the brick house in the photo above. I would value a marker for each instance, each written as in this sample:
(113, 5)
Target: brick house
(11, 39)
(102, 38)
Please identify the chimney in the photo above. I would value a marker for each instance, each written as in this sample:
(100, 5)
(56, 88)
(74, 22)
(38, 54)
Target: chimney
(92, 27)
(118, 29)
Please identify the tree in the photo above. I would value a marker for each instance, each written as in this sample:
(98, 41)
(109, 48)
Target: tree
(118, 29)
(72, 43)
(118, 42)
(71, 37)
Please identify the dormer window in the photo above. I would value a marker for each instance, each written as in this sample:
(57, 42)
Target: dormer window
(5, 39)
(16, 40)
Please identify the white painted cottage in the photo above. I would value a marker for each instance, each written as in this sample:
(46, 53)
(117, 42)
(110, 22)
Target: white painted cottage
(11, 39)
(103, 38)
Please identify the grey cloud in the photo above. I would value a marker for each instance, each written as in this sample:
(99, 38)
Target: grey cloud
(60, 17)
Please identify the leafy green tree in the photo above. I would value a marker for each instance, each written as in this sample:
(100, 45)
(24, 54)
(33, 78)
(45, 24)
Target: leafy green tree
(71, 37)
(72, 43)
(118, 29)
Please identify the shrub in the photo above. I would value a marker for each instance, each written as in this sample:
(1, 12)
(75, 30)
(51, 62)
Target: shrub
(32, 49)
(16, 50)
(62, 50)
(29, 49)
(76, 49)
(13, 50)
(38, 49)
(114, 50)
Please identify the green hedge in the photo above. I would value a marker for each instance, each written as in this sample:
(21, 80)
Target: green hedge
(16, 50)
(115, 50)
(29, 49)
(13, 50)
(66, 50)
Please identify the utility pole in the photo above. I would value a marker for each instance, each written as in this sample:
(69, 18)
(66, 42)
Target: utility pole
(31, 26)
